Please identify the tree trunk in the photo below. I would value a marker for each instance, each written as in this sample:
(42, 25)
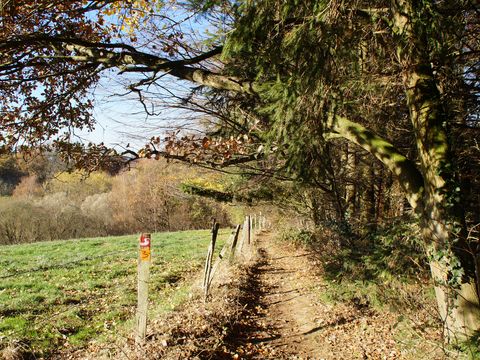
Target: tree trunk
(452, 264)
(442, 220)
(351, 185)
(453, 271)
(370, 199)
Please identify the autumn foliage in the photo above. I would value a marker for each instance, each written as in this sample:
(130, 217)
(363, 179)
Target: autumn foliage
(148, 197)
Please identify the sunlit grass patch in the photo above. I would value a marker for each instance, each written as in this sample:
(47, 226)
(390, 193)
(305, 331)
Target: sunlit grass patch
(65, 293)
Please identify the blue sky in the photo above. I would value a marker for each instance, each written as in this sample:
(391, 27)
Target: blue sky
(122, 120)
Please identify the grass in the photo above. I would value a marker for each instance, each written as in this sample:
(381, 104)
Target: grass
(66, 293)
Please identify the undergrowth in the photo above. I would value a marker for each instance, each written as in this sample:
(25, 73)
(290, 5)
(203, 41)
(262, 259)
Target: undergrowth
(386, 270)
(370, 268)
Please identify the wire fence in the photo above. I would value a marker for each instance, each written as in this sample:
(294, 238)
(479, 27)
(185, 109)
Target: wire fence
(241, 239)
(64, 265)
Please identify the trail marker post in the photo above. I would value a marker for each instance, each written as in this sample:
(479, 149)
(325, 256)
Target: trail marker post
(144, 262)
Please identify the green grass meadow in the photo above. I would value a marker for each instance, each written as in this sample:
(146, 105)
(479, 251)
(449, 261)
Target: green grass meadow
(66, 293)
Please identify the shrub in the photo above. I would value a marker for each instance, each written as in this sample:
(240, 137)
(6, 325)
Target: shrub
(22, 222)
(299, 236)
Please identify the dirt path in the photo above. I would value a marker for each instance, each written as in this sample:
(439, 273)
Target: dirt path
(290, 322)
(285, 311)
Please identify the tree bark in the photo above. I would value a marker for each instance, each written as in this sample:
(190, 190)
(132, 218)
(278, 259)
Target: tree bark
(404, 169)
(452, 264)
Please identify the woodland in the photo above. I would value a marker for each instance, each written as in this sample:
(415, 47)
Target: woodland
(46, 202)
(356, 115)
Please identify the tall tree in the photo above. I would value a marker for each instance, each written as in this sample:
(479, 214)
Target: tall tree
(356, 70)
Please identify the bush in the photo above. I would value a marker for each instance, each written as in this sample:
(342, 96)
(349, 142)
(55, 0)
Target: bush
(299, 236)
(51, 218)
(392, 251)
(20, 222)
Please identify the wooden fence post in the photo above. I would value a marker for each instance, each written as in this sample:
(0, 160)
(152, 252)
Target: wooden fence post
(234, 242)
(244, 236)
(208, 262)
(249, 229)
(144, 261)
(226, 247)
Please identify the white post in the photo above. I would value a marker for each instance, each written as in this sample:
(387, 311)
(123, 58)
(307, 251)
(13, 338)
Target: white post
(144, 261)
(244, 236)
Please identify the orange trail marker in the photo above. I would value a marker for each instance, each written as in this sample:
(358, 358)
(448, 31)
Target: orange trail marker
(144, 261)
